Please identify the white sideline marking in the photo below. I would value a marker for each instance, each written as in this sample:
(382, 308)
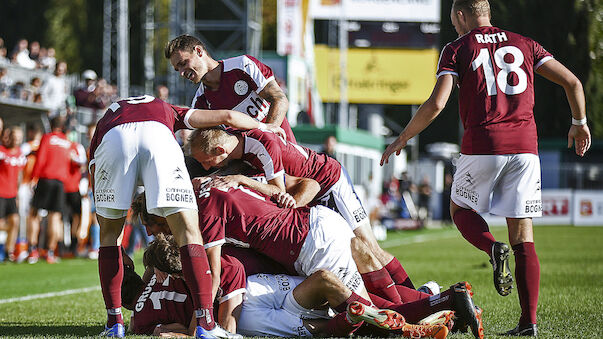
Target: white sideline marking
(419, 238)
(50, 294)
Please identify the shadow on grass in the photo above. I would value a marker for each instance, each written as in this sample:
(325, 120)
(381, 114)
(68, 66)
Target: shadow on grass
(16, 329)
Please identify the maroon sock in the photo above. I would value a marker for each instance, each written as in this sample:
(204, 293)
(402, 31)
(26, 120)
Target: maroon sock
(417, 310)
(339, 326)
(475, 229)
(195, 269)
(410, 294)
(398, 274)
(527, 275)
(111, 273)
(341, 308)
(381, 283)
(380, 302)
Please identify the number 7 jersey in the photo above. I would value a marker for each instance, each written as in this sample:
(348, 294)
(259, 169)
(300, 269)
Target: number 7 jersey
(495, 71)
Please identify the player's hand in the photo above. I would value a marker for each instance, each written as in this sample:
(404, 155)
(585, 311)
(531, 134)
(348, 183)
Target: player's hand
(199, 181)
(160, 275)
(284, 200)
(395, 146)
(226, 182)
(276, 130)
(579, 136)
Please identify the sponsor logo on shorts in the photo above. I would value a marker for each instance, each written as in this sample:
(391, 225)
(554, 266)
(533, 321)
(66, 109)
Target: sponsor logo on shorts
(178, 174)
(359, 214)
(538, 185)
(104, 195)
(103, 175)
(468, 178)
(533, 206)
(283, 282)
(354, 281)
(179, 195)
(467, 193)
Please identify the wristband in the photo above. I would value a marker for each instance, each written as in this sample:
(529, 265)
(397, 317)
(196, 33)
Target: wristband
(579, 122)
(262, 126)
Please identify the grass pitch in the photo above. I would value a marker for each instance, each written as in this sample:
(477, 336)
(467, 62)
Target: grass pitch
(64, 300)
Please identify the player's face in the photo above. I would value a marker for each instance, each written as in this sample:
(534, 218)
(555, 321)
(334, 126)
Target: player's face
(188, 64)
(156, 225)
(457, 22)
(210, 160)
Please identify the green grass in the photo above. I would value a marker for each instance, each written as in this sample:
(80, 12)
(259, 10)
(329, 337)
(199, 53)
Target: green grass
(570, 306)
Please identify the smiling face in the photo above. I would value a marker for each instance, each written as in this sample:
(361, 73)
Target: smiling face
(189, 65)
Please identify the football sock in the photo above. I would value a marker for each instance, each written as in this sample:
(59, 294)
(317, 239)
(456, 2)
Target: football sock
(341, 325)
(380, 283)
(417, 310)
(410, 294)
(111, 273)
(527, 275)
(197, 274)
(475, 229)
(342, 308)
(398, 274)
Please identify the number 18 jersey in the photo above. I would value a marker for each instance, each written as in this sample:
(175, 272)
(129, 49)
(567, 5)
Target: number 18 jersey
(495, 70)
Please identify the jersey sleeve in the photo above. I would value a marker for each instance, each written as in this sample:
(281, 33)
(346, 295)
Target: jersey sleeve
(212, 230)
(181, 116)
(447, 62)
(232, 278)
(267, 151)
(259, 72)
(541, 55)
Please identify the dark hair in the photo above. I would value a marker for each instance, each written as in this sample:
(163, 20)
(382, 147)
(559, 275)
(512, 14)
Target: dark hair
(186, 43)
(57, 122)
(163, 254)
(131, 286)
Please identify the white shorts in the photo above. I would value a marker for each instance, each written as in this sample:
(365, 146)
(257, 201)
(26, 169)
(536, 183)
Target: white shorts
(342, 198)
(269, 308)
(327, 247)
(141, 153)
(504, 185)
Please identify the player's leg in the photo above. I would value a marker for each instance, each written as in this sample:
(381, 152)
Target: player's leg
(33, 222)
(169, 193)
(54, 231)
(12, 224)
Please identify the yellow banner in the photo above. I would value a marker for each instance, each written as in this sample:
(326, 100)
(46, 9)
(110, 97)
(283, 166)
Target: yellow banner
(378, 76)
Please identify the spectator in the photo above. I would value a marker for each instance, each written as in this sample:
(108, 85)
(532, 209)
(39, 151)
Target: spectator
(33, 134)
(329, 146)
(47, 59)
(21, 55)
(17, 91)
(163, 93)
(33, 91)
(4, 56)
(34, 52)
(56, 90)
(407, 188)
(73, 198)
(89, 95)
(5, 83)
(424, 191)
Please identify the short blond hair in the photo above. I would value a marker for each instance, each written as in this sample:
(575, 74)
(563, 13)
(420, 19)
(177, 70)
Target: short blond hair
(475, 7)
(207, 140)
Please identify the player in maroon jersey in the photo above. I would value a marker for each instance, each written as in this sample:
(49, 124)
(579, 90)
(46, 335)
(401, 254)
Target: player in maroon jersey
(275, 157)
(499, 169)
(134, 142)
(12, 162)
(240, 83)
(50, 172)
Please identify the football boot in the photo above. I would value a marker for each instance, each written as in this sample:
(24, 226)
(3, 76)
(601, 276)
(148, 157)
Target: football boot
(503, 279)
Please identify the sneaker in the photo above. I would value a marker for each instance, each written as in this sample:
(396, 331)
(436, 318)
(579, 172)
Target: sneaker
(425, 331)
(216, 332)
(439, 318)
(116, 331)
(529, 330)
(33, 257)
(51, 258)
(430, 287)
(21, 257)
(465, 311)
(93, 255)
(386, 319)
(503, 280)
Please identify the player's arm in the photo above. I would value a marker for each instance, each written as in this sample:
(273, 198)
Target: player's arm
(428, 111)
(273, 188)
(279, 105)
(228, 313)
(215, 265)
(171, 330)
(554, 71)
(201, 118)
(303, 190)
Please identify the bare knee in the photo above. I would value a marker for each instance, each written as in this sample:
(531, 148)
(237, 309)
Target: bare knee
(364, 257)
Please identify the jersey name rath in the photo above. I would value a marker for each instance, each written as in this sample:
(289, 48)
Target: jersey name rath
(254, 106)
(491, 38)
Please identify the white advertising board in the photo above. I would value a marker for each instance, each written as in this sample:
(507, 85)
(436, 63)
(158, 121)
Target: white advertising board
(377, 10)
(588, 208)
(289, 24)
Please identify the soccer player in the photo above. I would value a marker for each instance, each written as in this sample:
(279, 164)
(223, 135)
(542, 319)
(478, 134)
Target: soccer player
(498, 170)
(50, 172)
(274, 156)
(134, 142)
(241, 83)
(73, 197)
(12, 162)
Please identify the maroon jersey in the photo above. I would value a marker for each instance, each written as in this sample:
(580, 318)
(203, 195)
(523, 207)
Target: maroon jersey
(162, 303)
(267, 152)
(241, 81)
(136, 109)
(246, 218)
(495, 70)
(52, 158)
(232, 278)
(12, 162)
(254, 262)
